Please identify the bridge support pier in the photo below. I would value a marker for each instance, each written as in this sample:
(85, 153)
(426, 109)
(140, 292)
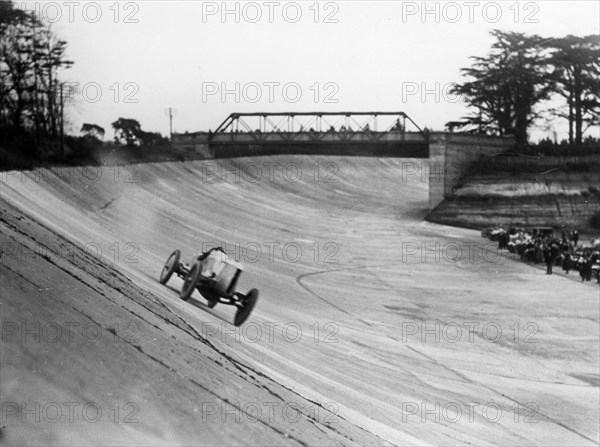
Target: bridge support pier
(451, 156)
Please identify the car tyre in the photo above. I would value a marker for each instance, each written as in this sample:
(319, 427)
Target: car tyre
(170, 267)
(190, 281)
(248, 303)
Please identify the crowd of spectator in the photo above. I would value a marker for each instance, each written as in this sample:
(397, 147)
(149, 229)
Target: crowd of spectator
(541, 246)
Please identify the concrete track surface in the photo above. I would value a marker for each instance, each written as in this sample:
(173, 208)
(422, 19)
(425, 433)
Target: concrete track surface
(373, 327)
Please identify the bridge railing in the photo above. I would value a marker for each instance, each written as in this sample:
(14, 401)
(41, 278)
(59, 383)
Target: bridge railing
(319, 126)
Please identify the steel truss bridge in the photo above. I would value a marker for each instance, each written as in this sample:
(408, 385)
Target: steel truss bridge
(265, 126)
(389, 134)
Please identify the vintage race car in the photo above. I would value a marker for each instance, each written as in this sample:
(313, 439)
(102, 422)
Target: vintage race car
(215, 276)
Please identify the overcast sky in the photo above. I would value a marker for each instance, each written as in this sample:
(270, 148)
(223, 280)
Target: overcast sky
(147, 56)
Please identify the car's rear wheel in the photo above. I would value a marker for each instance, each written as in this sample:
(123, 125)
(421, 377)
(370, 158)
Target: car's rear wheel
(170, 267)
(190, 281)
(248, 303)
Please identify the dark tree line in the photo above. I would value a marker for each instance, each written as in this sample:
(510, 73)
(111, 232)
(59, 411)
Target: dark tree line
(507, 87)
(31, 57)
(32, 95)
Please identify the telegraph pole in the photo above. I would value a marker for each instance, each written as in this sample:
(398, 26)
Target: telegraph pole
(62, 121)
(171, 112)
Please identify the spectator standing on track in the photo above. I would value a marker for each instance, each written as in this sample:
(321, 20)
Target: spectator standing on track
(538, 253)
(549, 262)
(505, 240)
(550, 257)
(586, 270)
(567, 262)
(554, 252)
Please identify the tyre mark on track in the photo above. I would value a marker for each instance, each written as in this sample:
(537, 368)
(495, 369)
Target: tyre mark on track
(300, 278)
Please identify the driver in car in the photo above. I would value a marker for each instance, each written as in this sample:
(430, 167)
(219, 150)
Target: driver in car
(213, 261)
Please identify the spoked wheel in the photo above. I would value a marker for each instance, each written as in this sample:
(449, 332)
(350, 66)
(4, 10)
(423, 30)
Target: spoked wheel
(190, 281)
(248, 303)
(170, 267)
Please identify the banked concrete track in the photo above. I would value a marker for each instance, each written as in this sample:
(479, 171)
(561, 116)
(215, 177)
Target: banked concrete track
(366, 332)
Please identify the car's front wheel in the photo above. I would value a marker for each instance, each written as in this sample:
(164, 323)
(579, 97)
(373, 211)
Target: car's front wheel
(190, 281)
(170, 267)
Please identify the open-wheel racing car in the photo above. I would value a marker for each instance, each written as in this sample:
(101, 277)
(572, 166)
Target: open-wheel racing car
(215, 276)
